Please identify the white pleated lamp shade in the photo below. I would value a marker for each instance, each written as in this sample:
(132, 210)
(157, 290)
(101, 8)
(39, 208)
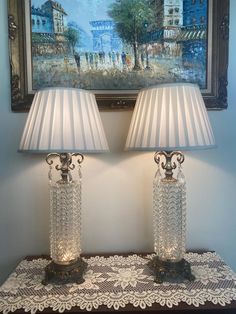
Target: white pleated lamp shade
(170, 117)
(63, 120)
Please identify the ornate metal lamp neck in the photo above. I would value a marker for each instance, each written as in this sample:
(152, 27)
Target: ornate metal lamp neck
(169, 165)
(65, 163)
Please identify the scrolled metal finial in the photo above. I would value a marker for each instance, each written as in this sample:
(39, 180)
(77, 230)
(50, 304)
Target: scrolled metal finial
(49, 158)
(80, 157)
(65, 163)
(169, 165)
(180, 157)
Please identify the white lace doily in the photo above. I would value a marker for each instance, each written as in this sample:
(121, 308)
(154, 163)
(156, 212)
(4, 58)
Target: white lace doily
(115, 282)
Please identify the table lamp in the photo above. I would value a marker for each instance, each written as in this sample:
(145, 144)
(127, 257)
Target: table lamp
(65, 123)
(168, 119)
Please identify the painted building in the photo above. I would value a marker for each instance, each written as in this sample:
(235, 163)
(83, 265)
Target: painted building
(195, 12)
(41, 22)
(49, 19)
(173, 13)
(48, 27)
(105, 38)
(169, 20)
(58, 15)
(169, 13)
(194, 33)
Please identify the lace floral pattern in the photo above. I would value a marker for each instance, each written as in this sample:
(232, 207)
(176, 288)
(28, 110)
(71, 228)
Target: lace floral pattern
(115, 282)
(126, 276)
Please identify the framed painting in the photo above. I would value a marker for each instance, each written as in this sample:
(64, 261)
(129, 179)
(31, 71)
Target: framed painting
(116, 47)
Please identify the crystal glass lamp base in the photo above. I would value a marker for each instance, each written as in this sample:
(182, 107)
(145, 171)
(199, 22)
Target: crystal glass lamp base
(169, 220)
(65, 222)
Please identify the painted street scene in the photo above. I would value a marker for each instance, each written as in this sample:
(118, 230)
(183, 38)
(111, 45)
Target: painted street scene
(118, 44)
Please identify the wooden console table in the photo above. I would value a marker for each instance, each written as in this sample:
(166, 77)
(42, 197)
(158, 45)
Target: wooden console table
(123, 284)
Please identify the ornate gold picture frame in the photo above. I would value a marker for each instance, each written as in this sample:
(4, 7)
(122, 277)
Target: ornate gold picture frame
(154, 46)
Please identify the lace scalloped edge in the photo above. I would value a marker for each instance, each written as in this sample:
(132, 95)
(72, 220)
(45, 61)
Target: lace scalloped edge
(116, 301)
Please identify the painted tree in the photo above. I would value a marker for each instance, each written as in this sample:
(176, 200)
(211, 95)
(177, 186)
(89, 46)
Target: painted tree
(130, 17)
(72, 35)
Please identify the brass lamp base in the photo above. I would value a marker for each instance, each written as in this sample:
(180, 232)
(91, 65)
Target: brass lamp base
(170, 271)
(63, 274)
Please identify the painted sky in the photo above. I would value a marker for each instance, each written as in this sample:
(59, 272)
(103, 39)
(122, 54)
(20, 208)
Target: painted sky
(82, 11)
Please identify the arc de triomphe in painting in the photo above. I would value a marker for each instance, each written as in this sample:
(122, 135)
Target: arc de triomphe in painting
(105, 38)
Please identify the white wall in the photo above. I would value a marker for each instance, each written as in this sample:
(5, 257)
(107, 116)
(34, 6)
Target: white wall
(117, 191)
